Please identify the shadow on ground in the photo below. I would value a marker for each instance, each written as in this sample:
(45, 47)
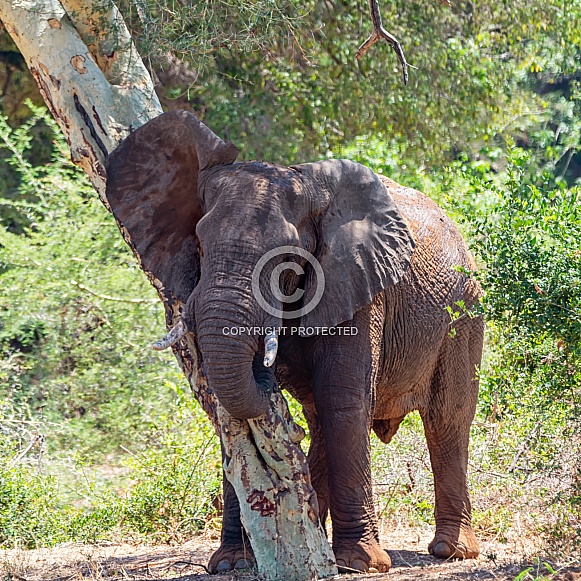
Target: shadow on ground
(187, 563)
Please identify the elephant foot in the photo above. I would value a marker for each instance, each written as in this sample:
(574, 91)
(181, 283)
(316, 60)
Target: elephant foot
(361, 556)
(458, 545)
(229, 557)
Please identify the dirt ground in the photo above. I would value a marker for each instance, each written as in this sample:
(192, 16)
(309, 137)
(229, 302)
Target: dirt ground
(407, 549)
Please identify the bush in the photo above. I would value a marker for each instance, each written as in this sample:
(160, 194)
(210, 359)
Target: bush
(528, 236)
(126, 451)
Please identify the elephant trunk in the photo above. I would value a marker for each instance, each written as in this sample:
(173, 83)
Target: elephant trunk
(233, 359)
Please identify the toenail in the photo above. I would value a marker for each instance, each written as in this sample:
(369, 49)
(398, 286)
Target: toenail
(223, 565)
(359, 565)
(242, 564)
(442, 549)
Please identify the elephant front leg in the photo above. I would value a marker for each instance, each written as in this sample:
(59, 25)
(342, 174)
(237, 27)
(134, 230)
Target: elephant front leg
(355, 531)
(343, 399)
(235, 551)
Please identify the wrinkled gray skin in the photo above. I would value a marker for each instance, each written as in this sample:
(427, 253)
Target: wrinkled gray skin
(390, 259)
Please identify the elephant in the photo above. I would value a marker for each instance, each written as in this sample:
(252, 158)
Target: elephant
(393, 265)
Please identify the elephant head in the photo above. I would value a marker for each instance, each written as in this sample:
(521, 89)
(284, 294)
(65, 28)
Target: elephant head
(201, 223)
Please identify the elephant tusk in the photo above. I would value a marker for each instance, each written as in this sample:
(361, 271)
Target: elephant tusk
(270, 348)
(172, 337)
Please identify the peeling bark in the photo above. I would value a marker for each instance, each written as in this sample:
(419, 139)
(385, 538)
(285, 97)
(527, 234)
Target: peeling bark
(98, 90)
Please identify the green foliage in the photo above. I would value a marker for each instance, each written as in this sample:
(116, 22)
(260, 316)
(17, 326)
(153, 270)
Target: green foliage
(282, 82)
(76, 321)
(534, 573)
(35, 508)
(67, 338)
(529, 239)
(175, 492)
(198, 29)
(168, 493)
(29, 506)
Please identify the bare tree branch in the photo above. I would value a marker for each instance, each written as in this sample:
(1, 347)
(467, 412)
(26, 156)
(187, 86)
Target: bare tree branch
(35, 440)
(115, 299)
(378, 33)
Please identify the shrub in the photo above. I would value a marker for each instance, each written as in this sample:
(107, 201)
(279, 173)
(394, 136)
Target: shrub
(528, 236)
(127, 451)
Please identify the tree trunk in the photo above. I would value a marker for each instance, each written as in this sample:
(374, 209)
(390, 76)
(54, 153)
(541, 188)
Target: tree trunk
(98, 90)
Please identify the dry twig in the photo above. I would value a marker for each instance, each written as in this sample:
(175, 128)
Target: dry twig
(378, 33)
(35, 439)
(115, 299)
(524, 447)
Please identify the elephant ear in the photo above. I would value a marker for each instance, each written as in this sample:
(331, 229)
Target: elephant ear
(364, 245)
(152, 189)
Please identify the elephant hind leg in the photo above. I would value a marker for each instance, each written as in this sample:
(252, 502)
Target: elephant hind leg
(447, 418)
